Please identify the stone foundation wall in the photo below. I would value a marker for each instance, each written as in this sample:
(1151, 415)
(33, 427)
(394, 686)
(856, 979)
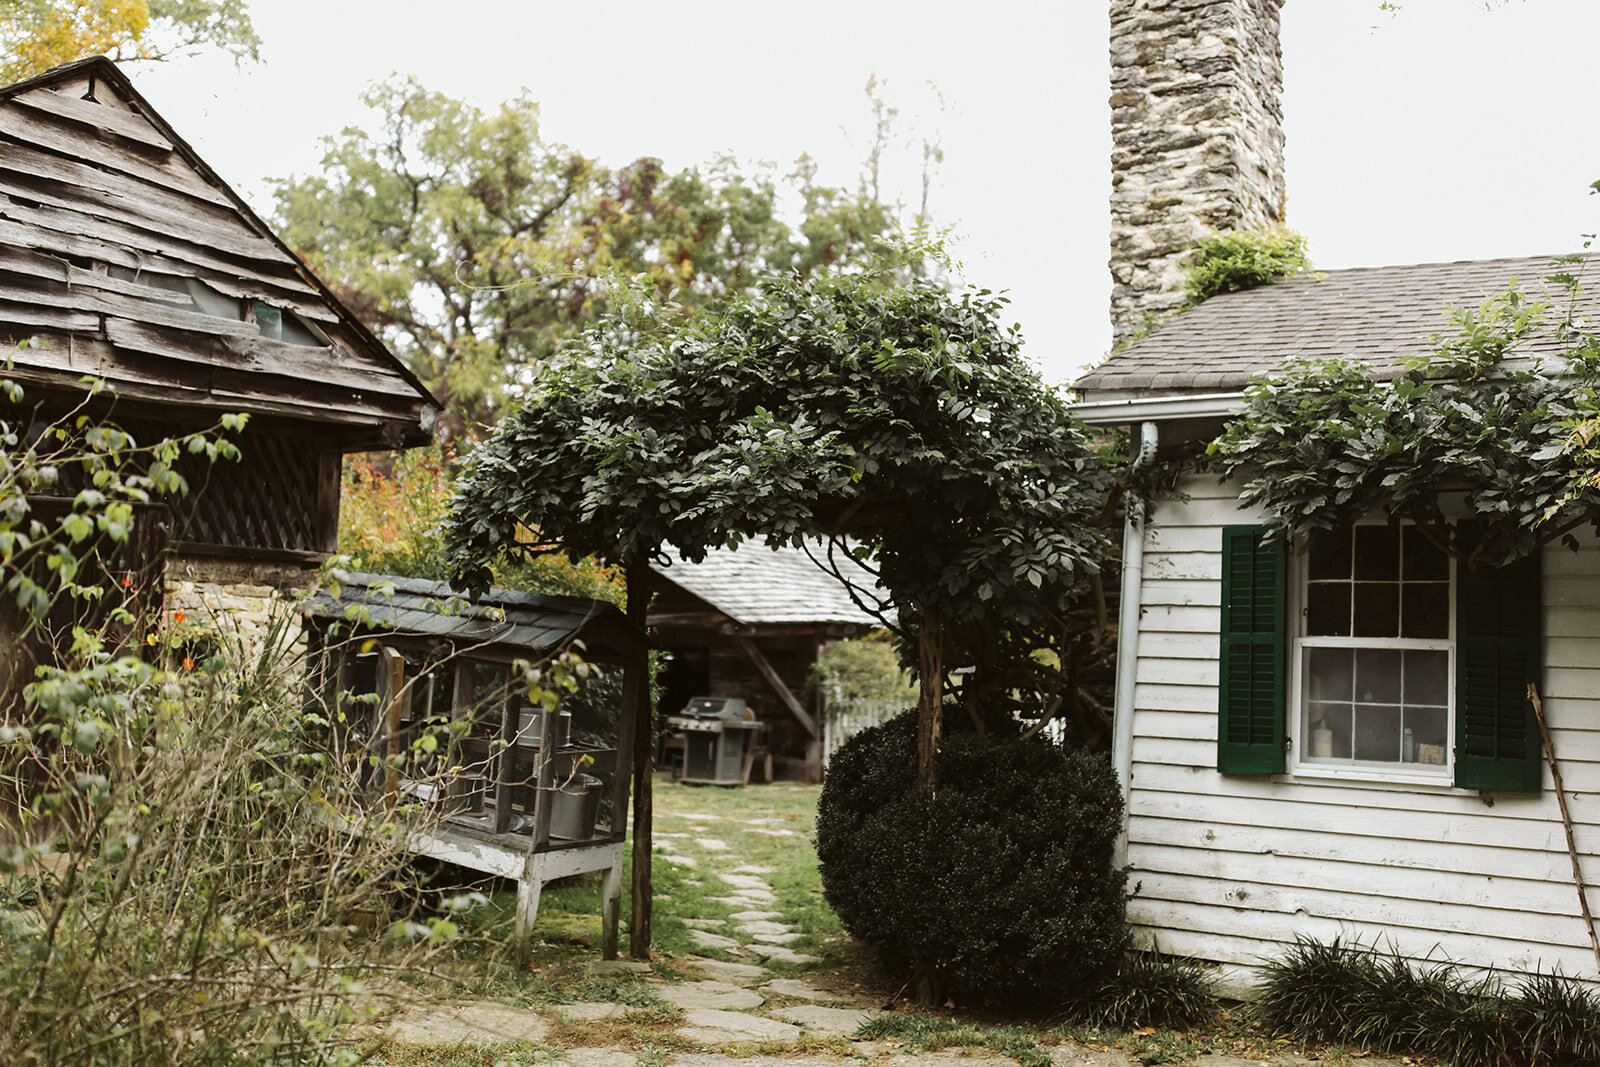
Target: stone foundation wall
(1197, 129)
(234, 598)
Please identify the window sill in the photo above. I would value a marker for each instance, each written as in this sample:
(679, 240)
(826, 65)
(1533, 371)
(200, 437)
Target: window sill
(1370, 776)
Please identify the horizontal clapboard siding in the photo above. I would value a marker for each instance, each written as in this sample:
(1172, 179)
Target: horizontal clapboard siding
(1232, 868)
(103, 213)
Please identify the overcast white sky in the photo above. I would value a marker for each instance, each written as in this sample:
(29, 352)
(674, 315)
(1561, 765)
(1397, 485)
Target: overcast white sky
(1448, 132)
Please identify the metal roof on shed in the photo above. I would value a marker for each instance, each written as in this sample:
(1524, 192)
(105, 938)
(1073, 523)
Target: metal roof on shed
(416, 606)
(1381, 316)
(758, 583)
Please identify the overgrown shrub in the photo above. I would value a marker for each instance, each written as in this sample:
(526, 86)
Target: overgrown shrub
(998, 882)
(179, 880)
(1231, 262)
(1358, 995)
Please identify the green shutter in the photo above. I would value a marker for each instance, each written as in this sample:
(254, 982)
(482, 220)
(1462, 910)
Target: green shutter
(1251, 707)
(1497, 654)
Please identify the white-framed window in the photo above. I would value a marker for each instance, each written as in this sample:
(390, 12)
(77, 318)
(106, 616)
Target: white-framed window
(1372, 658)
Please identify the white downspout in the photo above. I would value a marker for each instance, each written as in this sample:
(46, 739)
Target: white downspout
(1128, 637)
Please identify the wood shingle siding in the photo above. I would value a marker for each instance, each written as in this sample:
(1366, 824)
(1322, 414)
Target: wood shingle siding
(1232, 868)
(109, 222)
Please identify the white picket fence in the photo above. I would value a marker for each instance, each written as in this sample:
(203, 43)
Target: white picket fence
(843, 719)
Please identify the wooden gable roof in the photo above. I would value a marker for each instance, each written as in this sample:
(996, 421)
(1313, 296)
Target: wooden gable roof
(131, 260)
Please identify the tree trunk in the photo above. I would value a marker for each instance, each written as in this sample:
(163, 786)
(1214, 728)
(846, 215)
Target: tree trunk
(930, 705)
(644, 739)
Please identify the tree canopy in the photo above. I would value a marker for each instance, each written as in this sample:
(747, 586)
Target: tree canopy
(1481, 430)
(36, 35)
(476, 248)
(903, 416)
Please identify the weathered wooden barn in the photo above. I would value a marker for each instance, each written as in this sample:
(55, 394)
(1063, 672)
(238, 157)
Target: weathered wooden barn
(750, 623)
(123, 256)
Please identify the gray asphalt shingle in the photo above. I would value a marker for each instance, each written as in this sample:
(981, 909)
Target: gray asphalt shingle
(1379, 315)
(756, 583)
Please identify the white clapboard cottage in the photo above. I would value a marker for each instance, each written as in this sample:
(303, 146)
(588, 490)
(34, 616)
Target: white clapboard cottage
(1331, 740)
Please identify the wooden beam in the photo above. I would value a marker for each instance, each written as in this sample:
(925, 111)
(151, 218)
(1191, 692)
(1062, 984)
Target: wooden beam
(687, 618)
(778, 687)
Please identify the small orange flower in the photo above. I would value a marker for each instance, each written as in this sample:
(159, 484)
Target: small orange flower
(178, 616)
(188, 663)
(127, 581)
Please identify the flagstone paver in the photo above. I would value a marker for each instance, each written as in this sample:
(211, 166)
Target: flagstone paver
(774, 833)
(731, 972)
(705, 924)
(711, 844)
(604, 967)
(681, 861)
(753, 868)
(763, 926)
(473, 1020)
(710, 1026)
(753, 916)
(597, 1057)
(778, 939)
(725, 995)
(744, 881)
(707, 939)
(794, 987)
(783, 955)
(1077, 1056)
(829, 1022)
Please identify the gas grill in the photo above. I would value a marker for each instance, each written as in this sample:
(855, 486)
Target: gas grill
(716, 735)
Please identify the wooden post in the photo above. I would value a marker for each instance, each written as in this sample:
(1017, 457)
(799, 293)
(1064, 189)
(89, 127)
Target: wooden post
(394, 676)
(644, 736)
(930, 703)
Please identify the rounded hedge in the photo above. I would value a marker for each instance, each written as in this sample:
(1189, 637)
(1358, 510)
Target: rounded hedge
(999, 880)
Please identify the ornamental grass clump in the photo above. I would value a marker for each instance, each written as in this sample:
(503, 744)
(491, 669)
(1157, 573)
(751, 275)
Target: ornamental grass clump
(1353, 995)
(1147, 989)
(996, 883)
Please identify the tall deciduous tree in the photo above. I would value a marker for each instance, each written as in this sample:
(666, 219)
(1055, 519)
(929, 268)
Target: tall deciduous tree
(477, 248)
(36, 35)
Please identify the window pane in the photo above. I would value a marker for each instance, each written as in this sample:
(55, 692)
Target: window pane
(1378, 675)
(1425, 609)
(1422, 562)
(1427, 678)
(1377, 611)
(1328, 727)
(1328, 609)
(1377, 733)
(1424, 736)
(1330, 554)
(1330, 673)
(1377, 553)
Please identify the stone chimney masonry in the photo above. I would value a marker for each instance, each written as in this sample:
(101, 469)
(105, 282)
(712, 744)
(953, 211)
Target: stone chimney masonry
(1197, 139)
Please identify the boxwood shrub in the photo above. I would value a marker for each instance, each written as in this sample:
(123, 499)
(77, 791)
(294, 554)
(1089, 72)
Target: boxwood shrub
(999, 880)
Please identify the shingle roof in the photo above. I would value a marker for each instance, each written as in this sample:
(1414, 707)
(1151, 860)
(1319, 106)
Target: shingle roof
(757, 583)
(1379, 315)
(500, 616)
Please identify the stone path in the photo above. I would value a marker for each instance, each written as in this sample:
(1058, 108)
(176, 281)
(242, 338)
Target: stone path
(734, 1002)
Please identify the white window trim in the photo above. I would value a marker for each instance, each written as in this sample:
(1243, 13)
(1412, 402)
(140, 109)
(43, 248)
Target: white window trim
(1299, 766)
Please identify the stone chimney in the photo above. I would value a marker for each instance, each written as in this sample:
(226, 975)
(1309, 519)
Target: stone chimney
(1197, 132)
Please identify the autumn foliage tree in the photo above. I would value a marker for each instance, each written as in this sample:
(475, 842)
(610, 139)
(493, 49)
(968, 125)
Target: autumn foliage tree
(36, 35)
(476, 248)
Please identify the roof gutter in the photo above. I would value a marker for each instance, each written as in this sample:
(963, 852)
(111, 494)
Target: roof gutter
(1128, 615)
(1158, 408)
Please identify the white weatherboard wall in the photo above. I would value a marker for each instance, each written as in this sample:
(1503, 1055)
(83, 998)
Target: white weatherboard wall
(1231, 868)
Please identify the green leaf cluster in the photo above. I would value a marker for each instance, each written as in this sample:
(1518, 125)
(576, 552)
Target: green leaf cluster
(1242, 259)
(903, 416)
(1480, 430)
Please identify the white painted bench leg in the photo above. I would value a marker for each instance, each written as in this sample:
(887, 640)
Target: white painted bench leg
(529, 886)
(610, 910)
